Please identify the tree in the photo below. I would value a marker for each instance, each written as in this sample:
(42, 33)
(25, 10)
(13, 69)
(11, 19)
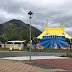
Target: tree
(12, 32)
(3, 39)
(25, 35)
(36, 41)
(70, 43)
(67, 40)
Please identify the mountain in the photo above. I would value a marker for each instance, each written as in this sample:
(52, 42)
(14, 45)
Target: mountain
(17, 26)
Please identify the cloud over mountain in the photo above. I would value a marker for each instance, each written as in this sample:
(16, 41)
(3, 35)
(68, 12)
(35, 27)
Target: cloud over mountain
(53, 11)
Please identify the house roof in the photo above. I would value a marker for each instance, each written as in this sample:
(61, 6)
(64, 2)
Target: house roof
(17, 41)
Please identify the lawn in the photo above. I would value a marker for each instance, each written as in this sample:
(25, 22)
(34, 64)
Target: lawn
(69, 55)
(38, 50)
(46, 50)
(50, 50)
(4, 49)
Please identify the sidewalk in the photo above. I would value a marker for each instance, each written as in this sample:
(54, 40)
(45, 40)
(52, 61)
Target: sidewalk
(37, 64)
(24, 66)
(65, 64)
(34, 57)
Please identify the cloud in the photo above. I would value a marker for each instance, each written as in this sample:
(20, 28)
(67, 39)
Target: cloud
(53, 11)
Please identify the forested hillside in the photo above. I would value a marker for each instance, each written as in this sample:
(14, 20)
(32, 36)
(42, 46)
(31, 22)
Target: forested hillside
(17, 30)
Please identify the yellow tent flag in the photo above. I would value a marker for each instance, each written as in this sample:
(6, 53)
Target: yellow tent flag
(46, 25)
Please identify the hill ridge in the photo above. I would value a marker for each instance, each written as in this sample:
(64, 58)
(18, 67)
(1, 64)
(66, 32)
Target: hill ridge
(20, 24)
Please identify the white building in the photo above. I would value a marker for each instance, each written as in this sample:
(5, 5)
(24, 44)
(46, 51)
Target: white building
(14, 45)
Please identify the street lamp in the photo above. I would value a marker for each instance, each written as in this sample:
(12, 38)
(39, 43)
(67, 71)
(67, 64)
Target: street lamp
(30, 16)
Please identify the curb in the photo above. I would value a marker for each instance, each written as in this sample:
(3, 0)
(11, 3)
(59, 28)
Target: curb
(13, 51)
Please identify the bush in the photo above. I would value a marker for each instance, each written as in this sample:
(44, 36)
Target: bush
(62, 56)
(69, 55)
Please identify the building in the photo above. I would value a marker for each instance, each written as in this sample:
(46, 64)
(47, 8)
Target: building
(14, 45)
(54, 32)
(53, 38)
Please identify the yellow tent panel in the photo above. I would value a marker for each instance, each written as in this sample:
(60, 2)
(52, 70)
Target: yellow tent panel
(54, 31)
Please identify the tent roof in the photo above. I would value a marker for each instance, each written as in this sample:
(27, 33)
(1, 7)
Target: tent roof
(54, 31)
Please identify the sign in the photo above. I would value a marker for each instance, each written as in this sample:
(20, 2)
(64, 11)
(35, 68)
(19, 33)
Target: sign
(44, 37)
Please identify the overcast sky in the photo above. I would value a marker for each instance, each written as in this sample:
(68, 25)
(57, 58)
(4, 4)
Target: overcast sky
(53, 11)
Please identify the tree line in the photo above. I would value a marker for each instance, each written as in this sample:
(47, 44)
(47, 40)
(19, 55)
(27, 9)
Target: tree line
(12, 32)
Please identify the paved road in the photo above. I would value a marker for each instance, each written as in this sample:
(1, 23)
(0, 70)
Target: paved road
(17, 54)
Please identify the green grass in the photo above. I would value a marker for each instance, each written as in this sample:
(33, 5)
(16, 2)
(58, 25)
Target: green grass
(4, 49)
(38, 50)
(69, 55)
(63, 56)
(45, 50)
(50, 50)
(24, 49)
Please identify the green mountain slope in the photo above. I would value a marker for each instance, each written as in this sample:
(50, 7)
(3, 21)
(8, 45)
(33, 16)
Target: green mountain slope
(17, 30)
